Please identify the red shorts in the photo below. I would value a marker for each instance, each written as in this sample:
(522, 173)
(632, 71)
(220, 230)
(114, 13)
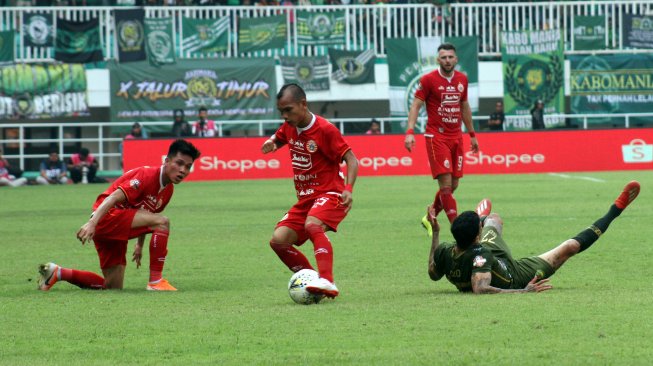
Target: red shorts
(112, 234)
(325, 207)
(445, 156)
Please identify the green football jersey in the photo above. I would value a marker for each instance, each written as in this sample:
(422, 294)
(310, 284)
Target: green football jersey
(459, 267)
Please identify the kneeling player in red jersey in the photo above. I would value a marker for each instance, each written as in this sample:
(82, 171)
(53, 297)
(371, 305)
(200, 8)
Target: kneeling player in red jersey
(129, 209)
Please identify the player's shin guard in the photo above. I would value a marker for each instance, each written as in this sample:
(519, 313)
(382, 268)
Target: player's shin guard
(158, 253)
(588, 236)
(448, 203)
(323, 251)
(291, 257)
(82, 279)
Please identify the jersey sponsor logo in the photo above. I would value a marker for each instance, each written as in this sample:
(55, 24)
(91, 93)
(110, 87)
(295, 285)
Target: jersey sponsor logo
(441, 87)
(305, 192)
(297, 144)
(134, 183)
(450, 88)
(301, 160)
(450, 98)
(305, 177)
(311, 146)
(479, 261)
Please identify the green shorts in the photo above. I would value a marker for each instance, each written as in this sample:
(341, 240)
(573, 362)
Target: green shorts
(523, 270)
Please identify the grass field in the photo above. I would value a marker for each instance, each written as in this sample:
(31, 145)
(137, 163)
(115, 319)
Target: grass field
(233, 306)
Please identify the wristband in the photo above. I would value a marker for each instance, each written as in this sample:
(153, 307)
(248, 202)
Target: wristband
(349, 188)
(410, 131)
(472, 134)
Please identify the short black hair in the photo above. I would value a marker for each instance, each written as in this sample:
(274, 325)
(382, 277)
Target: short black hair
(447, 47)
(295, 90)
(202, 109)
(83, 151)
(465, 229)
(185, 148)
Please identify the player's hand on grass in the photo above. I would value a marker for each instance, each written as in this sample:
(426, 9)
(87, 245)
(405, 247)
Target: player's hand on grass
(346, 200)
(268, 146)
(538, 285)
(409, 142)
(138, 254)
(86, 232)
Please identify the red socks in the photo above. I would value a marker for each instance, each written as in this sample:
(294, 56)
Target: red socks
(158, 252)
(291, 257)
(437, 203)
(323, 250)
(82, 279)
(448, 203)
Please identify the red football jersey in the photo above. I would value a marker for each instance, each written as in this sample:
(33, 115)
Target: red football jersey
(443, 99)
(315, 152)
(143, 189)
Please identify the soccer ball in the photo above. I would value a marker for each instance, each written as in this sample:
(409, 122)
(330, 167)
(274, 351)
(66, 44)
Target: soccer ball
(297, 287)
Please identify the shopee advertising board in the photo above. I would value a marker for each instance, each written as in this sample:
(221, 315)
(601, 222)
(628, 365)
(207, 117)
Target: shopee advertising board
(501, 152)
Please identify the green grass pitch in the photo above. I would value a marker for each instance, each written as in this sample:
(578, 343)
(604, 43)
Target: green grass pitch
(233, 307)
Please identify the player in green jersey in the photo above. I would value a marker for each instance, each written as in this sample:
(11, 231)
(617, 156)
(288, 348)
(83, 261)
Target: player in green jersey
(481, 262)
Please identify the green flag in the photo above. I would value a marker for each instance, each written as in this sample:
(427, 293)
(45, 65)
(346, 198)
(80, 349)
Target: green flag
(204, 36)
(37, 30)
(352, 67)
(78, 42)
(259, 34)
(311, 73)
(533, 69)
(7, 46)
(160, 44)
(589, 32)
(317, 29)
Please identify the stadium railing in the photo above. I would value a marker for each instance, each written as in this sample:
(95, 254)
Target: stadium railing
(366, 26)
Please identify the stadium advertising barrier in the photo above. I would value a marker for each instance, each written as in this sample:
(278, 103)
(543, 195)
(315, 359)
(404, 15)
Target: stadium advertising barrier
(502, 152)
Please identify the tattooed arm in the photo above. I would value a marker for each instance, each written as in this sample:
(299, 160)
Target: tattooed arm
(481, 285)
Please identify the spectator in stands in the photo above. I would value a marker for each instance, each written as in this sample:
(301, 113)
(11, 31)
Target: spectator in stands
(204, 127)
(53, 170)
(495, 123)
(7, 179)
(537, 114)
(180, 128)
(375, 128)
(83, 167)
(137, 132)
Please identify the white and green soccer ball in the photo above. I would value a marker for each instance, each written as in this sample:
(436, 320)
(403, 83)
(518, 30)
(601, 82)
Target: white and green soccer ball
(297, 287)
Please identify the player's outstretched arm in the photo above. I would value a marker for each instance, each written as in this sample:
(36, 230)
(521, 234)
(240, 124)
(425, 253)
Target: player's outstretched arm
(87, 231)
(435, 243)
(481, 285)
(270, 145)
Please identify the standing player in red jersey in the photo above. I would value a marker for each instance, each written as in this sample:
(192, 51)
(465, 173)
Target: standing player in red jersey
(129, 209)
(316, 150)
(444, 91)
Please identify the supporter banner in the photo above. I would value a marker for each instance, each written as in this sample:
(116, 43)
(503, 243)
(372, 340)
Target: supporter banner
(533, 69)
(78, 42)
(231, 89)
(384, 155)
(6, 46)
(320, 29)
(160, 43)
(352, 67)
(589, 32)
(204, 36)
(411, 58)
(611, 84)
(130, 34)
(35, 91)
(38, 30)
(311, 73)
(637, 31)
(260, 34)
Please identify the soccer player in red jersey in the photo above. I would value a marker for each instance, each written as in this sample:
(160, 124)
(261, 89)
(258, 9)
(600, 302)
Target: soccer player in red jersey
(444, 91)
(316, 149)
(129, 208)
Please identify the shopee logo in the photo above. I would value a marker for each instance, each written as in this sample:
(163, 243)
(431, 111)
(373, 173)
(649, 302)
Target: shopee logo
(503, 159)
(213, 163)
(376, 162)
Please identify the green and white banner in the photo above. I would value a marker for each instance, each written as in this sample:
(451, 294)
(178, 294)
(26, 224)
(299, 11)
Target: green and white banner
(589, 32)
(159, 42)
(260, 34)
(231, 89)
(311, 73)
(7, 46)
(411, 58)
(204, 36)
(533, 69)
(320, 29)
(637, 31)
(38, 30)
(39, 91)
(130, 33)
(611, 84)
(352, 67)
